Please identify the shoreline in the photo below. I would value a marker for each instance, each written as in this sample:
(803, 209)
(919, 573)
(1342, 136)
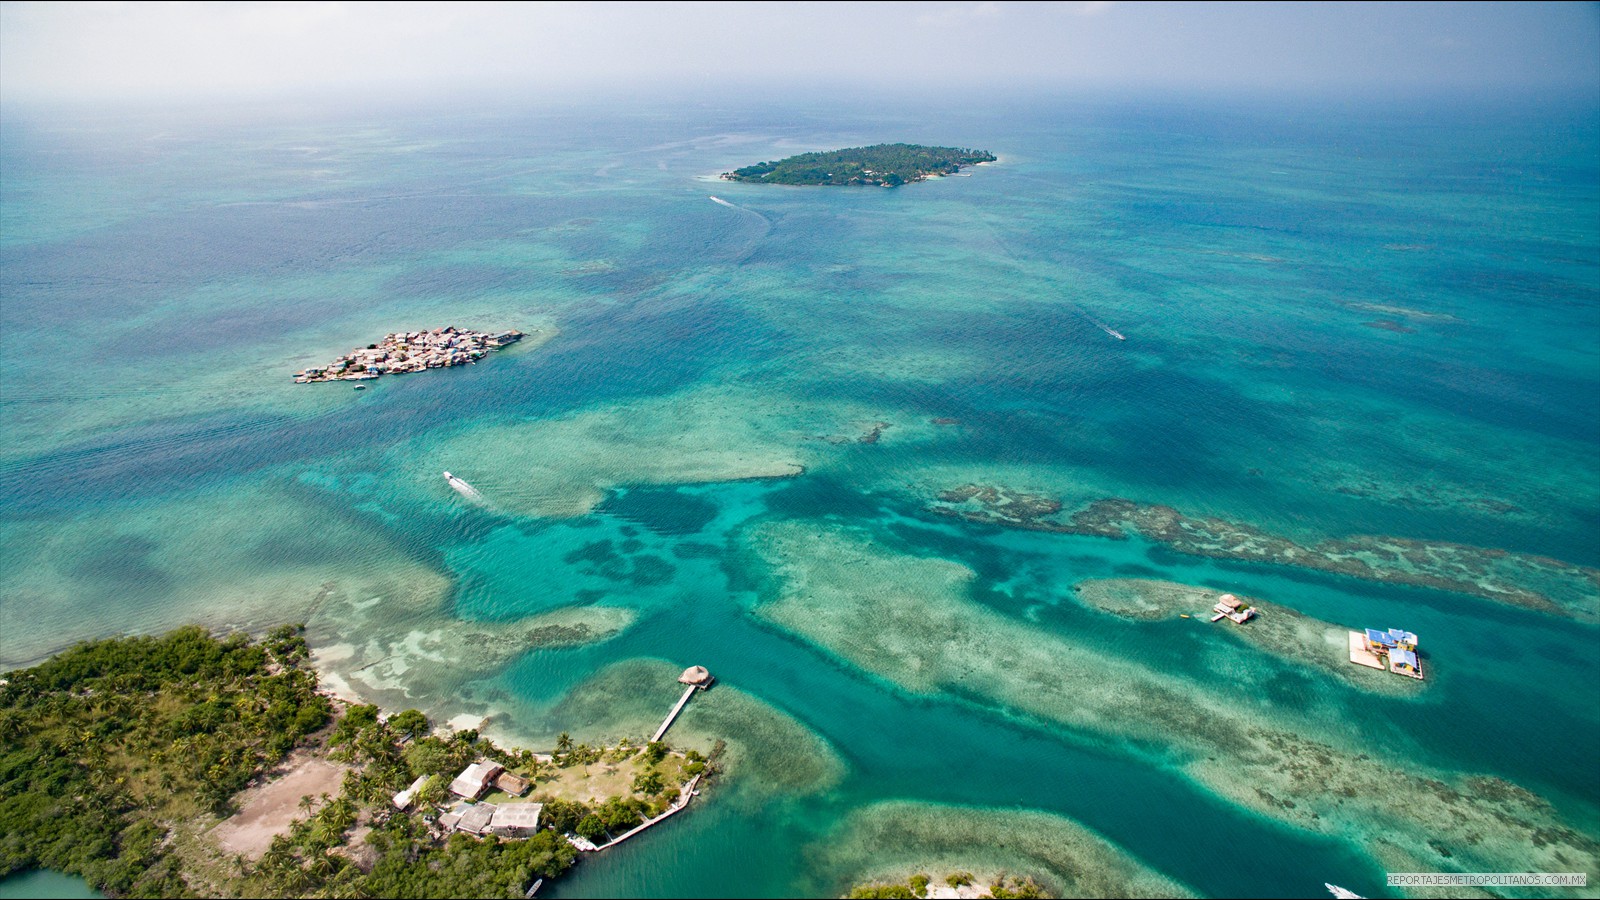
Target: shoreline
(252, 823)
(403, 352)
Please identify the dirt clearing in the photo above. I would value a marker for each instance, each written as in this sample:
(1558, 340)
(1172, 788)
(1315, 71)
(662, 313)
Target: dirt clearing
(267, 810)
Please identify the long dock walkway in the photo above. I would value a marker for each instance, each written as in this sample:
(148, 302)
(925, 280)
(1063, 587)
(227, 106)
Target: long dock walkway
(684, 796)
(682, 702)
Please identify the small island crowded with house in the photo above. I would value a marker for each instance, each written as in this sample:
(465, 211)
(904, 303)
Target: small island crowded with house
(411, 351)
(885, 165)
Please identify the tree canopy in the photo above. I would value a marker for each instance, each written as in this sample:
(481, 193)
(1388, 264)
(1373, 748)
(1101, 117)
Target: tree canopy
(889, 165)
(109, 741)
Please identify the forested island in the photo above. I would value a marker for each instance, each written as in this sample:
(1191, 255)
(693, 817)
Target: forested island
(886, 165)
(957, 885)
(193, 764)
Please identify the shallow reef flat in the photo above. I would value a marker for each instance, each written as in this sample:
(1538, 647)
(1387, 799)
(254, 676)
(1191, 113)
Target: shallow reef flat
(892, 840)
(1519, 579)
(909, 620)
(563, 467)
(768, 752)
(248, 556)
(1276, 629)
(398, 655)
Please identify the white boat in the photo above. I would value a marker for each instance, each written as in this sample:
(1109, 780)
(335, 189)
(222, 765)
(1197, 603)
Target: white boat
(1341, 893)
(462, 487)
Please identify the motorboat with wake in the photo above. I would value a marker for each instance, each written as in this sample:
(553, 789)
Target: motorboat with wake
(462, 487)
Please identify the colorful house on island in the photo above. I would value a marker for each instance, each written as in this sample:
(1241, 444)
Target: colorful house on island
(1231, 607)
(1399, 648)
(1384, 641)
(1405, 662)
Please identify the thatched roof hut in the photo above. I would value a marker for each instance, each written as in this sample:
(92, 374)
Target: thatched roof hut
(697, 676)
(512, 783)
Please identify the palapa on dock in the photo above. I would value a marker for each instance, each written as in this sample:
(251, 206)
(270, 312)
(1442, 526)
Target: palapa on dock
(697, 679)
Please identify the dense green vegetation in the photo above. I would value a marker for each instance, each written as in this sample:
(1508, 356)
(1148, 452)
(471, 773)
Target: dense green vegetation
(1023, 888)
(114, 749)
(1003, 888)
(109, 742)
(120, 755)
(888, 165)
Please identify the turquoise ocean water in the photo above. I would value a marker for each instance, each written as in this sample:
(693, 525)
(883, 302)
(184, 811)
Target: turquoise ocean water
(1340, 320)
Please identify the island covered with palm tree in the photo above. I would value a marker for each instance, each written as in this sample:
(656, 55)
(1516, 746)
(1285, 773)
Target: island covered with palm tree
(885, 165)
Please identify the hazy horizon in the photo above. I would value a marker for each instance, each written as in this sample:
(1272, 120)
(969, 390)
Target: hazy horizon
(149, 53)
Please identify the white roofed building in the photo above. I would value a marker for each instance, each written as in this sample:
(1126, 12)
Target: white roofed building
(476, 779)
(516, 819)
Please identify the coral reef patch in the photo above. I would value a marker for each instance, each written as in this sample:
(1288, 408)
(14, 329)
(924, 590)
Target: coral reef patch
(1519, 579)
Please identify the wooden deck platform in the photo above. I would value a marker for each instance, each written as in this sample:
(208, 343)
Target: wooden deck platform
(1360, 655)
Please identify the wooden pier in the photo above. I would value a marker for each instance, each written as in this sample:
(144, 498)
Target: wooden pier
(682, 702)
(697, 679)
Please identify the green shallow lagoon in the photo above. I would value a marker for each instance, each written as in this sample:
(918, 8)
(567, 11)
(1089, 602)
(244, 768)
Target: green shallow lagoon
(45, 885)
(1379, 321)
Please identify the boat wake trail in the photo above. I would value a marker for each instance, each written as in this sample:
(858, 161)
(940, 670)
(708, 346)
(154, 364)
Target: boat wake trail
(1099, 324)
(753, 241)
(464, 489)
(1079, 307)
(715, 199)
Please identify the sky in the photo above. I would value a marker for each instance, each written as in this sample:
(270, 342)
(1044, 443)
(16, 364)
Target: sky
(162, 51)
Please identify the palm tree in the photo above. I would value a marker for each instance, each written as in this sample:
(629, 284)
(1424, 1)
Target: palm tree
(564, 743)
(12, 723)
